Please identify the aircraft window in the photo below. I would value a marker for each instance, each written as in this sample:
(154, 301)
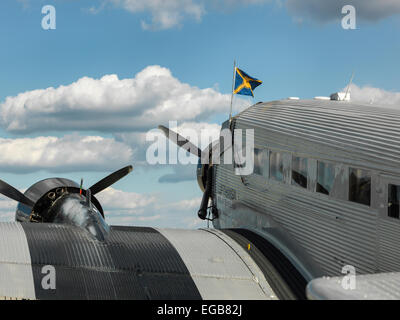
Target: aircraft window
(260, 160)
(325, 177)
(299, 172)
(360, 186)
(276, 166)
(393, 201)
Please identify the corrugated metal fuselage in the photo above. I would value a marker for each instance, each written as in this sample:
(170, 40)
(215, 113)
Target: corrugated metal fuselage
(333, 230)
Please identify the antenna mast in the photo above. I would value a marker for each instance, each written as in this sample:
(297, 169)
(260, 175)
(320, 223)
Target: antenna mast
(348, 87)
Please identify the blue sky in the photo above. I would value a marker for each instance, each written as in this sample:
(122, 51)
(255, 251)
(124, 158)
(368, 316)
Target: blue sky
(296, 49)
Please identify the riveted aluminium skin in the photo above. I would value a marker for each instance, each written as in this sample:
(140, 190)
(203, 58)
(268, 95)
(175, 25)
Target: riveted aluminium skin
(334, 231)
(132, 263)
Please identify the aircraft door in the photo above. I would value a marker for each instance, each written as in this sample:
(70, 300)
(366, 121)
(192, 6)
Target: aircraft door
(387, 197)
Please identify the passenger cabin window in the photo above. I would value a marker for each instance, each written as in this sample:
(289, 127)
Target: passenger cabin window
(299, 172)
(325, 177)
(393, 201)
(260, 162)
(276, 166)
(360, 186)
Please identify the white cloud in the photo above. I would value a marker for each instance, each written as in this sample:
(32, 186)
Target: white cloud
(375, 96)
(7, 209)
(325, 11)
(152, 97)
(172, 13)
(166, 14)
(133, 209)
(134, 220)
(113, 199)
(7, 204)
(131, 106)
(191, 204)
(66, 154)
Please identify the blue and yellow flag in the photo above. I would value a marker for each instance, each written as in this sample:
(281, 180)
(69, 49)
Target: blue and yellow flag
(244, 84)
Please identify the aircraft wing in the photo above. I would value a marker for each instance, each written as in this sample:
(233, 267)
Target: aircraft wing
(380, 286)
(52, 261)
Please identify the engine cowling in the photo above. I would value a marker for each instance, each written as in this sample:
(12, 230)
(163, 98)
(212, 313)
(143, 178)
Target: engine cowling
(44, 193)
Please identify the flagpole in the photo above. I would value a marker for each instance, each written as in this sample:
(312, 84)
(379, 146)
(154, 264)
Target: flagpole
(233, 88)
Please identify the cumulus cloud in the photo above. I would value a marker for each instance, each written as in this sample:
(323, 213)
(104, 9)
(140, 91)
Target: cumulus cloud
(164, 14)
(326, 11)
(172, 13)
(113, 199)
(133, 209)
(190, 204)
(127, 108)
(7, 209)
(375, 96)
(111, 104)
(7, 204)
(66, 154)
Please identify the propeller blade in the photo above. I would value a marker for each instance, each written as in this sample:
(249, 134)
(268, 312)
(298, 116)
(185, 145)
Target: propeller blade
(110, 180)
(181, 141)
(14, 194)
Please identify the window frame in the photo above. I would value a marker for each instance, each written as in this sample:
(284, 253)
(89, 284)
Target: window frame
(334, 166)
(307, 168)
(264, 166)
(382, 192)
(370, 204)
(282, 160)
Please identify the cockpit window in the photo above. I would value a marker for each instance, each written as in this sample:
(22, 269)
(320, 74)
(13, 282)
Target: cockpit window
(325, 177)
(360, 186)
(299, 172)
(393, 201)
(276, 166)
(260, 162)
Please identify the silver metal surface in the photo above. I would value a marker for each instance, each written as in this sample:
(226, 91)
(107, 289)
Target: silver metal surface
(220, 268)
(16, 278)
(275, 234)
(333, 230)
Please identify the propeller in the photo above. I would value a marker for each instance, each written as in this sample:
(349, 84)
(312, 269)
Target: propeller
(181, 141)
(206, 154)
(14, 194)
(110, 180)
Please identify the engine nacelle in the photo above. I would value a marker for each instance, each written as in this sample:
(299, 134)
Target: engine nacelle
(62, 201)
(44, 193)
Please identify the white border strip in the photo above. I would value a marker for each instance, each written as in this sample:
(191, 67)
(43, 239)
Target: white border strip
(16, 277)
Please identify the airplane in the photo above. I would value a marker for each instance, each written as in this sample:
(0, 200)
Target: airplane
(317, 219)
